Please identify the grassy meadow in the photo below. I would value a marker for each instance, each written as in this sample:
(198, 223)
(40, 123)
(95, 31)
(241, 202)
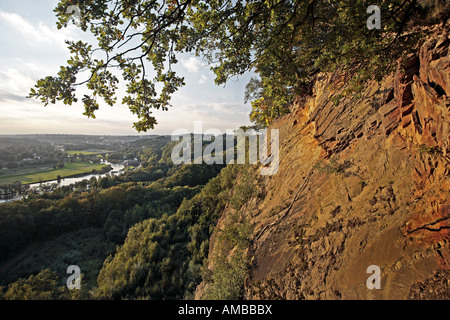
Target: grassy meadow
(85, 152)
(37, 174)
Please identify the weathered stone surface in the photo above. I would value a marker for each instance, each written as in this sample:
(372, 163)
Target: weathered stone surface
(384, 201)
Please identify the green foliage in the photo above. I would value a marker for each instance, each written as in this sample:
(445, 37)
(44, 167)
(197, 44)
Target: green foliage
(230, 262)
(244, 190)
(236, 233)
(270, 99)
(111, 212)
(150, 264)
(283, 41)
(432, 150)
(83, 226)
(131, 238)
(191, 174)
(162, 258)
(332, 167)
(436, 10)
(43, 286)
(228, 278)
(264, 113)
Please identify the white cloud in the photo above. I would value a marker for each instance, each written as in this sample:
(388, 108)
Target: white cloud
(40, 34)
(203, 79)
(214, 114)
(192, 64)
(15, 84)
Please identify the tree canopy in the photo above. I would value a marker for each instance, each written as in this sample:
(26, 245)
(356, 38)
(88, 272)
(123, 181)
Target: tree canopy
(283, 41)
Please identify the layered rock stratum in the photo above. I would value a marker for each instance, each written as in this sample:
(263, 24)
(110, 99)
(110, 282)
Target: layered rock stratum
(362, 181)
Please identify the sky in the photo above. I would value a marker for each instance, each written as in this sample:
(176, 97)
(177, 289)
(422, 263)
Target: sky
(31, 47)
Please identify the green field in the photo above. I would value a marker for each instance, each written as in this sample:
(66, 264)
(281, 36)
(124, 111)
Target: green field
(85, 152)
(42, 174)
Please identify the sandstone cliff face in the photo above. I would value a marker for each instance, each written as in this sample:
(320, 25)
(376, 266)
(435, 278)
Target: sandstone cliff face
(361, 182)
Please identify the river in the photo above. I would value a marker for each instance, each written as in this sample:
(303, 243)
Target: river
(116, 170)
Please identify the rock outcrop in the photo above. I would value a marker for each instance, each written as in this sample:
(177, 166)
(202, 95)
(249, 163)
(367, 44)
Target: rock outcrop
(362, 181)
